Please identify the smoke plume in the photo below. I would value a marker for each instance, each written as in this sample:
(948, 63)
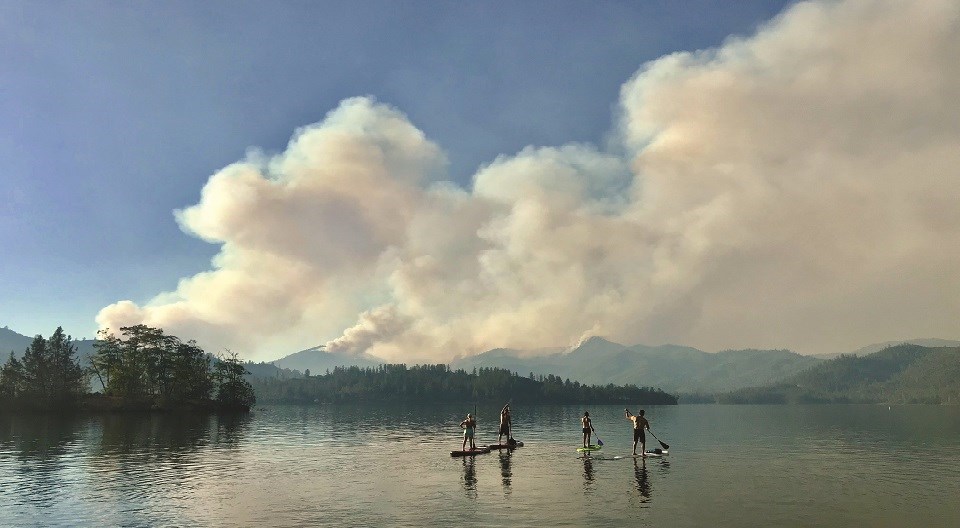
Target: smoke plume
(797, 188)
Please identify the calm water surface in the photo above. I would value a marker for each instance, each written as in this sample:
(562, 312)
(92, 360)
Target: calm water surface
(390, 466)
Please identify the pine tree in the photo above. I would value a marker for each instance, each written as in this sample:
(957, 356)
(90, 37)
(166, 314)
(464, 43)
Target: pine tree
(12, 382)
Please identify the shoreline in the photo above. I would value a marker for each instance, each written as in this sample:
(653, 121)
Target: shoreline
(96, 403)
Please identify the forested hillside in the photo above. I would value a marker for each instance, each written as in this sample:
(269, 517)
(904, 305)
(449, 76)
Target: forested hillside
(433, 383)
(672, 367)
(898, 374)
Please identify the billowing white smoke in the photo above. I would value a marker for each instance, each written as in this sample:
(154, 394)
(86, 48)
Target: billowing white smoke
(798, 188)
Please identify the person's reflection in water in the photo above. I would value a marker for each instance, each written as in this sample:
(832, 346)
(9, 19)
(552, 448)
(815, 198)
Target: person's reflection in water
(505, 471)
(469, 477)
(643, 481)
(587, 473)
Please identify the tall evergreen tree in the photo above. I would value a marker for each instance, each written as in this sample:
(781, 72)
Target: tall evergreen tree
(12, 382)
(50, 375)
(68, 379)
(36, 367)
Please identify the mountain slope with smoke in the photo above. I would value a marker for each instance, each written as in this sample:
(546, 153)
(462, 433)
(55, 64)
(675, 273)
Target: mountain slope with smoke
(794, 189)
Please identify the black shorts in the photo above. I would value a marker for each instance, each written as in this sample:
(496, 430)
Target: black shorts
(504, 429)
(639, 436)
(586, 430)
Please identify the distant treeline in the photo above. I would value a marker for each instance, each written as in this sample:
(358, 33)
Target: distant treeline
(426, 383)
(898, 374)
(141, 369)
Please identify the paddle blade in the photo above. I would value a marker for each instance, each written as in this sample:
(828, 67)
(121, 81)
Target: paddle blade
(599, 442)
(665, 446)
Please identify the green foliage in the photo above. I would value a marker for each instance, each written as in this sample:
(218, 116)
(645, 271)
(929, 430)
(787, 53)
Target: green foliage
(48, 376)
(13, 380)
(145, 364)
(424, 383)
(142, 369)
(232, 388)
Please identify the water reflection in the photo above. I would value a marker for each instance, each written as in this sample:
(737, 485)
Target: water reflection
(288, 466)
(505, 471)
(42, 441)
(664, 465)
(587, 473)
(39, 445)
(162, 436)
(469, 477)
(38, 438)
(643, 479)
(230, 429)
(169, 435)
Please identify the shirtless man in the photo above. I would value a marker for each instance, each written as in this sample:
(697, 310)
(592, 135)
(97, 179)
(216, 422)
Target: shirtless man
(639, 425)
(587, 428)
(505, 424)
(469, 426)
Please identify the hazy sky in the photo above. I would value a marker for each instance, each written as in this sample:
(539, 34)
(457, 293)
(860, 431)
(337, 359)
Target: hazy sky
(426, 179)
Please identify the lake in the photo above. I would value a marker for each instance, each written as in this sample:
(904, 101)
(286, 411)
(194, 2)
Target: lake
(364, 465)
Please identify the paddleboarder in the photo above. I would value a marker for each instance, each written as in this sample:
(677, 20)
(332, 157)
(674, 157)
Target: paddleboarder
(639, 425)
(469, 426)
(506, 424)
(587, 428)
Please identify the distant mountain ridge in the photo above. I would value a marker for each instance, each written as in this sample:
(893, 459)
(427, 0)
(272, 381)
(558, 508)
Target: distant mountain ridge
(670, 367)
(597, 360)
(924, 342)
(318, 360)
(903, 373)
(11, 341)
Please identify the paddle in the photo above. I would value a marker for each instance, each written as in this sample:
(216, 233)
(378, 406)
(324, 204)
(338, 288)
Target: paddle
(473, 440)
(662, 444)
(599, 442)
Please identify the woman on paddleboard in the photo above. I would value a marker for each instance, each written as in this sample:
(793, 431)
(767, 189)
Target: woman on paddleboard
(587, 428)
(469, 426)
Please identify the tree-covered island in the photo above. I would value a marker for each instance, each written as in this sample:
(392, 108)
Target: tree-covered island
(141, 370)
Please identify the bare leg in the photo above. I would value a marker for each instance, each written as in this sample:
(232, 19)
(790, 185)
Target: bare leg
(464, 447)
(635, 446)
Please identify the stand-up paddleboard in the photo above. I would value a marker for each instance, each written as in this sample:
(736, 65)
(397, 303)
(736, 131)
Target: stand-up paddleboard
(505, 446)
(470, 452)
(656, 453)
(590, 447)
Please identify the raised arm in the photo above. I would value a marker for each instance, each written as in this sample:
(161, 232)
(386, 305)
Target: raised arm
(626, 414)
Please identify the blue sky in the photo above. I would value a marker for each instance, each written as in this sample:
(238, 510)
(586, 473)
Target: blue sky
(114, 114)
